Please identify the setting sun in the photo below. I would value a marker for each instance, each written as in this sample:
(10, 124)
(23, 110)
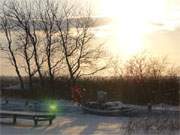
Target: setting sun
(132, 19)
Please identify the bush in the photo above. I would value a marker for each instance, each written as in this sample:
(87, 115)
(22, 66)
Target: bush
(125, 89)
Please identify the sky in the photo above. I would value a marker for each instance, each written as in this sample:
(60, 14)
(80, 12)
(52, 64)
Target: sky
(139, 25)
(150, 25)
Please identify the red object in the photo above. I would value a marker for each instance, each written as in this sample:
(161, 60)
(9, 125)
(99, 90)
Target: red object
(76, 93)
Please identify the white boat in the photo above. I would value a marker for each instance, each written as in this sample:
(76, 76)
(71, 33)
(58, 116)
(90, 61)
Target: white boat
(107, 110)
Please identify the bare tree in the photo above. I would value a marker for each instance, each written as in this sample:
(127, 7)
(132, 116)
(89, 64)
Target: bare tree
(7, 27)
(136, 66)
(115, 66)
(47, 22)
(157, 67)
(75, 38)
(173, 71)
(65, 30)
(27, 52)
(144, 65)
(22, 15)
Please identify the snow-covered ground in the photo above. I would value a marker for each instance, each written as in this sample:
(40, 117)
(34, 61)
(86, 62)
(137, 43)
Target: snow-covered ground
(72, 121)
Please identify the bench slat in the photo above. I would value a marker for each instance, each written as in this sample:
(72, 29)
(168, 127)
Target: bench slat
(36, 116)
(26, 113)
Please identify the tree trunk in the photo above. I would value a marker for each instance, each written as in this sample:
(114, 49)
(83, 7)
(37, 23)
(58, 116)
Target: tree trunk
(38, 66)
(34, 43)
(28, 65)
(16, 68)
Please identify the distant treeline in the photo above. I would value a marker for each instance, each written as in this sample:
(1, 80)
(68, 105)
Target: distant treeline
(128, 90)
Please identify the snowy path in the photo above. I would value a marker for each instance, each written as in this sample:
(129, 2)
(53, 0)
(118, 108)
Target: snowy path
(75, 122)
(68, 125)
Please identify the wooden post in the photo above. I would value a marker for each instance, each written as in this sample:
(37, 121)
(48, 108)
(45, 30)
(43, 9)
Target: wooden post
(6, 101)
(149, 107)
(50, 121)
(14, 119)
(26, 103)
(35, 122)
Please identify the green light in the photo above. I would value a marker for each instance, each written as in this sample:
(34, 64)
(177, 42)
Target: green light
(52, 105)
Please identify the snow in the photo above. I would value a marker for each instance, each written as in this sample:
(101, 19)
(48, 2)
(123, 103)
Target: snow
(16, 87)
(72, 121)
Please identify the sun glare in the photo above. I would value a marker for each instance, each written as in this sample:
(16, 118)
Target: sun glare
(132, 19)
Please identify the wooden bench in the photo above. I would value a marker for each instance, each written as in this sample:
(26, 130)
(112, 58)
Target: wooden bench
(35, 116)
